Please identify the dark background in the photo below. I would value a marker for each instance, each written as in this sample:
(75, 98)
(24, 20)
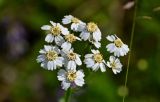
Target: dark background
(23, 80)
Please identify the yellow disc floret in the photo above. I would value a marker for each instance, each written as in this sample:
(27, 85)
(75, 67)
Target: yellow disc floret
(71, 75)
(91, 27)
(75, 20)
(71, 56)
(118, 42)
(70, 38)
(98, 57)
(56, 31)
(51, 55)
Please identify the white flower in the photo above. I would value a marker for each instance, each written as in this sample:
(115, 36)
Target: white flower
(95, 61)
(91, 31)
(115, 64)
(117, 46)
(77, 25)
(71, 59)
(55, 31)
(49, 58)
(70, 78)
(70, 38)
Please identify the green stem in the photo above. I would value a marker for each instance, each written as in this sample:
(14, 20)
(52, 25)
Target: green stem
(68, 95)
(130, 46)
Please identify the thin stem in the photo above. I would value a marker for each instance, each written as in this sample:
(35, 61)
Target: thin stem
(68, 95)
(130, 46)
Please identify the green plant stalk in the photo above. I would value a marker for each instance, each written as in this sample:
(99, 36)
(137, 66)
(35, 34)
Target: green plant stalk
(68, 95)
(130, 46)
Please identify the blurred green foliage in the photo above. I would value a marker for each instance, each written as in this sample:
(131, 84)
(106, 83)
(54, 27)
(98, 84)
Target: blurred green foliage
(22, 79)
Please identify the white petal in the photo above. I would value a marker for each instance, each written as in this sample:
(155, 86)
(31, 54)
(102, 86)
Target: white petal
(65, 85)
(78, 38)
(97, 35)
(81, 26)
(49, 38)
(46, 27)
(102, 67)
(59, 40)
(79, 82)
(97, 44)
(78, 60)
(53, 24)
(116, 70)
(95, 51)
(74, 26)
(59, 61)
(111, 47)
(111, 38)
(117, 52)
(41, 58)
(95, 67)
(88, 55)
(42, 51)
(44, 65)
(61, 75)
(71, 65)
(109, 65)
(85, 35)
(50, 65)
(89, 62)
(54, 65)
(67, 19)
(47, 47)
(65, 31)
(79, 74)
(112, 59)
(66, 46)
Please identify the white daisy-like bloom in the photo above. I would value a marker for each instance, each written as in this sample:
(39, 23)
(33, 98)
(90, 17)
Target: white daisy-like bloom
(117, 46)
(69, 39)
(95, 61)
(115, 64)
(55, 31)
(49, 57)
(71, 78)
(91, 32)
(76, 24)
(71, 59)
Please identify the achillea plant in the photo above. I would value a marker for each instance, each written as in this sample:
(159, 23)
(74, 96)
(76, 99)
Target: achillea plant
(59, 55)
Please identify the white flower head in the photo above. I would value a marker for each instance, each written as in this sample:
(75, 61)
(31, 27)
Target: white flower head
(115, 64)
(49, 57)
(117, 46)
(71, 59)
(55, 31)
(91, 31)
(95, 61)
(69, 39)
(70, 78)
(76, 24)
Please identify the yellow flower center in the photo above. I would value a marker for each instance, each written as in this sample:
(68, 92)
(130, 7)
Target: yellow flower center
(75, 20)
(98, 57)
(113, 65)
(91, 27)
(72, 56)
(56, 30)
(71, 75)
(118, 42)
(51, 55)
(70, 38)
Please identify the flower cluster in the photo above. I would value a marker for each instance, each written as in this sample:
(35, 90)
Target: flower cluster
(60, 55)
